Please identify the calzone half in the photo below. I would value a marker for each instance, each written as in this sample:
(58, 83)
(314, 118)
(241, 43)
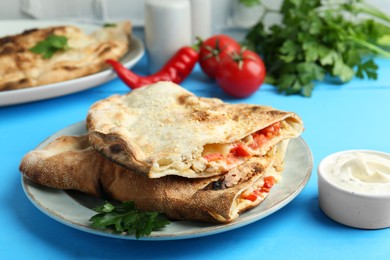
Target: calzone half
(163, 129)
(71, 163)
(87, 54)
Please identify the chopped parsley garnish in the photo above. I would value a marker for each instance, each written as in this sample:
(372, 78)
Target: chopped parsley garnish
(52, 44)
(109, 25)
(125, 218)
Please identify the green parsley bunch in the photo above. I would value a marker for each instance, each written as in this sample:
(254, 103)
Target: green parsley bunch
(317, 39)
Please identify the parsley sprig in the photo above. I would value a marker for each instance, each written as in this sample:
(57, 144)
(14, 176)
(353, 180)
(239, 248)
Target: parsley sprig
(125, 218)
(318, 39)
(52, 44)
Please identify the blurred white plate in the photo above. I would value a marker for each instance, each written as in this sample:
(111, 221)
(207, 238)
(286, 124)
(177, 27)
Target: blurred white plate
(13, 97)
(75, 209)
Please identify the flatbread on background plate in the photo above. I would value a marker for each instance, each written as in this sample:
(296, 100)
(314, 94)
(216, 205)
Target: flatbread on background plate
(22, 68)
(163, 129)
(71, 163)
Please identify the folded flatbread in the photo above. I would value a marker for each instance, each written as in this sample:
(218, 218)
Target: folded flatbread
(163, 129)
(70, 162)
(21, 68)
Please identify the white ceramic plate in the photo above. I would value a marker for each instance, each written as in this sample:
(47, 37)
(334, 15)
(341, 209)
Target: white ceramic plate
(75, 209)
(13, 97)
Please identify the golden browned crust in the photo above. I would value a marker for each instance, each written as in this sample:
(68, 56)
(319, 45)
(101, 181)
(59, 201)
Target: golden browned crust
(59, 165)
(69, 162)
(21, 68)
(161, 129)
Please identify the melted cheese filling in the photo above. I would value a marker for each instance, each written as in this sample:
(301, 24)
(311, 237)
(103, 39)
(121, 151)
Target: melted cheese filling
(224, 157)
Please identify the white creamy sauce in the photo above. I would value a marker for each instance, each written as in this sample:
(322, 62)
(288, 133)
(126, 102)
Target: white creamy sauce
(362, 172)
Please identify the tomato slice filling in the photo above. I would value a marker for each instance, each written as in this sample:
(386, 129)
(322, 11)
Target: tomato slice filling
(262, 136)
(242, 150)
(269, 181)
(239, 150)
(214, 157)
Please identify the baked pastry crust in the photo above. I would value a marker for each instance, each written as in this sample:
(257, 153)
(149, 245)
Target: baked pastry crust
(21, 68)
(70, 163)
(163, 129)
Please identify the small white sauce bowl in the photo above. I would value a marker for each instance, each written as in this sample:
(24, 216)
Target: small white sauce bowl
(352, 208)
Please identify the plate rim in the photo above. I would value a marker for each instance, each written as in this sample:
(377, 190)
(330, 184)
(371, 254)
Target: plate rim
(210, 229)
(25, 95)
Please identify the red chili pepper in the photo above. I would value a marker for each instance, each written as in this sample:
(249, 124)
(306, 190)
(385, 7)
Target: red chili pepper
(175, 70)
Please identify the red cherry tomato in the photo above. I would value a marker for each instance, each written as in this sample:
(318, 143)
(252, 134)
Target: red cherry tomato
(213, 50)
(240, 75)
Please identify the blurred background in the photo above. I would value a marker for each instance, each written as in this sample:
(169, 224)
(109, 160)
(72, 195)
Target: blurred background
(227, 16)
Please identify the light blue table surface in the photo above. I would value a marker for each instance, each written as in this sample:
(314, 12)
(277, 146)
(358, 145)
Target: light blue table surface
(350, 116)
